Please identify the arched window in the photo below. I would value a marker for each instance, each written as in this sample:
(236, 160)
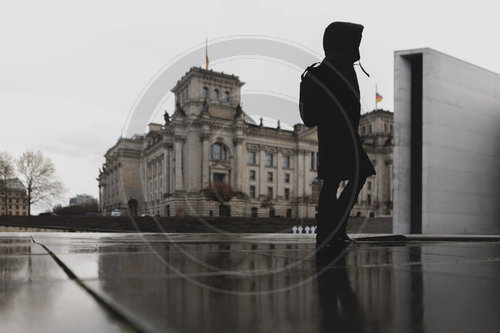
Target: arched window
(227, 94)
(218, 152)
(205, 93)
(216, 94)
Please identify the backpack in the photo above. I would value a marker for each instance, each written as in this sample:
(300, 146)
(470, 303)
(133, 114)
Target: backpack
(310, 98)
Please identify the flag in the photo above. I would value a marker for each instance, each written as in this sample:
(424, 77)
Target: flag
(378, 97)
(206, 54)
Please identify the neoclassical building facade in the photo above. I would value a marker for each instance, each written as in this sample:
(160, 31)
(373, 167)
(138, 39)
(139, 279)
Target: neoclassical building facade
(210, 139)
(271, 167)
(376, 132)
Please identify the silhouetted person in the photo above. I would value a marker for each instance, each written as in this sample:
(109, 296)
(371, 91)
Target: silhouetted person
(336, 112)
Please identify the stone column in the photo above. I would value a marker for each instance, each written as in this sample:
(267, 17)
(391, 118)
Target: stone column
(178, 146)
(204, 159)
(301, 171)
(262, 172)
(171, 169)
(279, 174)
(238, 165)
(165, 171)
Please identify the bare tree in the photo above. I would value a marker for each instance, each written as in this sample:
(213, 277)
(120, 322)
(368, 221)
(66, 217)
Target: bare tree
(38, 176)
(220, 192)
(6, 172)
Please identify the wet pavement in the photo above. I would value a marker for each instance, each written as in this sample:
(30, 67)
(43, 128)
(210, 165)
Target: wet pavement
(245, 283)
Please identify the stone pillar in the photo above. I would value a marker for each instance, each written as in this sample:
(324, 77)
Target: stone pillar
(301, 172)
(178, 146)
(238, 165)
(279, 174)
(171, 169)
(204, 159)
(262, 190)
(165, 171)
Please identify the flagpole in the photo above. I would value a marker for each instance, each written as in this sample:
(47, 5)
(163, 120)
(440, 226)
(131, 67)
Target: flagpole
(376, 102)
(206, 53)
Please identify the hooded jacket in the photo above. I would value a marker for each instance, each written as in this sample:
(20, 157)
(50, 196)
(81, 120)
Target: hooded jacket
(339, 142)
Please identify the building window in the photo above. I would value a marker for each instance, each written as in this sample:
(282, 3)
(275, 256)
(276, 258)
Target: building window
(287, 194)
(288, 213)
(219, 178)
(363, 130)
(269, 176)
(370, 128)
(369, 185)
(216, 94)
(218, 152)
(252, 174)
(252, 191)
(205, 93)
(269, 160)
(369, 199)
(385, 127)
(286, 161)
(313, 161)
(270, 192)
(287, 178)
(227, 95)
(251, 157)
(390, 128)
(316, 188)
(255, 212)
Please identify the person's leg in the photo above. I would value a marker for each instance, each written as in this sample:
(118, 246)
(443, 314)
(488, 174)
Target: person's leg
(346, 201)
(326, 220)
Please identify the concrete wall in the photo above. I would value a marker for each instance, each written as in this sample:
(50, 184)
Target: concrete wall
(460, 145)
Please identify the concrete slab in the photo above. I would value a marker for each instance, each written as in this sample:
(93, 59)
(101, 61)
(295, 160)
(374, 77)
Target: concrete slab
(272, 282)
(37, 296)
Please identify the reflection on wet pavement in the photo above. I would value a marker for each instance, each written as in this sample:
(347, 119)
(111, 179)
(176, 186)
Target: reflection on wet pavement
(37, 296)
(249, 283)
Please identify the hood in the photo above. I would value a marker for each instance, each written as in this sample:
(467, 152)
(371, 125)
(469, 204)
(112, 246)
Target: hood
(343, 37)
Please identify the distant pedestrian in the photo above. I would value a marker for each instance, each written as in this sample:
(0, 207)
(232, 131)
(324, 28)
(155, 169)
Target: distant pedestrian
(330, 100)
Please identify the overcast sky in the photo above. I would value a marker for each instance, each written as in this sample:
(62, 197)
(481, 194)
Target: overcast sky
(71, 71)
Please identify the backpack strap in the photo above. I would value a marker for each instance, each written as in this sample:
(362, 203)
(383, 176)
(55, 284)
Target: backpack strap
(307, 70)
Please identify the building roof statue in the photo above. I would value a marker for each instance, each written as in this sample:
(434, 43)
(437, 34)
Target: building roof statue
(166, 117)
(239, 112)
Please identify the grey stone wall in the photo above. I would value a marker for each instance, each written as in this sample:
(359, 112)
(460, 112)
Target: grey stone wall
(460, 145)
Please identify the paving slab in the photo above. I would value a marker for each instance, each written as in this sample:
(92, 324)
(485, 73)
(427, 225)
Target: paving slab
(269, 282)
(36, 295)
